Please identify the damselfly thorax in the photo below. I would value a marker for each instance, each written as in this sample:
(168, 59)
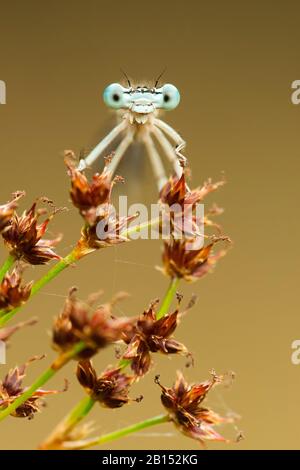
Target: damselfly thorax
(138, 108)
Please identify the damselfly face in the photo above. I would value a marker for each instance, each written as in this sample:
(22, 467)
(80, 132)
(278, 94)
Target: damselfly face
(141, 99)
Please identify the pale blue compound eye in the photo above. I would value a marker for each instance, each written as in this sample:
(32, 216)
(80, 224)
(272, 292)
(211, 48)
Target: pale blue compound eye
(113, 96)
(171, 96)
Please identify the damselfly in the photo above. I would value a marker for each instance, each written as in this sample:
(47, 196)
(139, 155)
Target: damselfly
(138, 107)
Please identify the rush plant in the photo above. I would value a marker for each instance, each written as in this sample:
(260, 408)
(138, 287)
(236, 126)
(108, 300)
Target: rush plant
(83, 328)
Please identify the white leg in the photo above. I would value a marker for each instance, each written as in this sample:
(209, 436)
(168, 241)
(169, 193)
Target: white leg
(168, 149)
(180, 143)
(121, 149)
(158, 169)
(103, 144)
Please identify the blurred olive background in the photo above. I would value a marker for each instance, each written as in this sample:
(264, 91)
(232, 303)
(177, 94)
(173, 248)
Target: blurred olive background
(234, 63)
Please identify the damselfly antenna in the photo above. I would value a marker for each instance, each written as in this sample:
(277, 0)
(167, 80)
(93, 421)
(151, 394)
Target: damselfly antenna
(138, 108)
(158, 78)
(127, 78)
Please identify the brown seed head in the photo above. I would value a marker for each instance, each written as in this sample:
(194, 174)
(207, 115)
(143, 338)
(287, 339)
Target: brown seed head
(11, 388)
(13, 292)
(79, 321)
(7, 210)
(181, 262)
(110, 389)
(88, 196)
(23, 236)
(176, 191)
(150, 335)
(184, 403)
(108, 230)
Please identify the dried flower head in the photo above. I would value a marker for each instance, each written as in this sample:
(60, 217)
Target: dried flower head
(109, 229)
(13, 292)
(86, 196)
(11, 388)
(103, 226)
(180, 261)
(7, 210)
(79, 321)
(23, 236)
(151, 335)
(176, 191)
(184, 403)
(181, 207)
(110, 389)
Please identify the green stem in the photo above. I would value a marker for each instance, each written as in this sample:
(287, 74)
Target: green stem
(6, 266)
(166, 303)
(123, 363)
(54, 271)
(42, 379)
(51, 274)
(138, 227)
(147, 423)
(63, 429)
(80, 411)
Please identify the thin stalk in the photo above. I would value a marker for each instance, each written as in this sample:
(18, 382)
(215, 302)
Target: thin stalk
(6, 266)
(62, 430)
(166, 303)
(147, 423)
(59, 362)
(55, 271)
(138, 227)
(80, 411)
(123, 363)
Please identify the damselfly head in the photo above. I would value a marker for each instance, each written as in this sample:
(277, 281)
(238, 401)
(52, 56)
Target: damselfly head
(141, 99)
